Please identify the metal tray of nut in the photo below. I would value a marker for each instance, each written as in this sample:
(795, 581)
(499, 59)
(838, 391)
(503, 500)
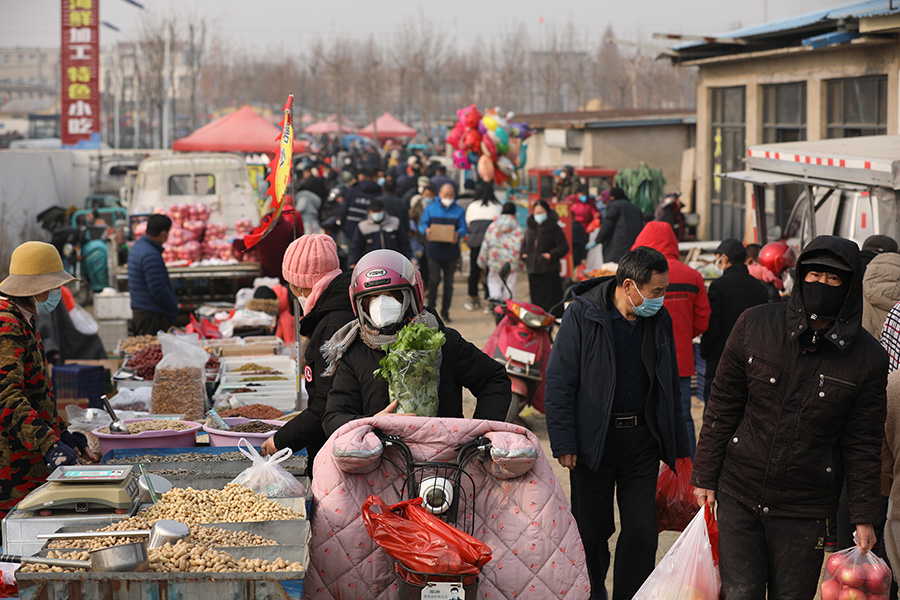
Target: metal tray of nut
(196, 460)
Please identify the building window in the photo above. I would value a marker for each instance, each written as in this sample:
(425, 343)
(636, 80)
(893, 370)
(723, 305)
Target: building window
(728, 131)
(857, 106)
(784, 120)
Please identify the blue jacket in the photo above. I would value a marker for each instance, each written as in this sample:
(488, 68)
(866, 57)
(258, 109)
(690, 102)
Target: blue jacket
(148, 279)
(436, 214)
(581, 379)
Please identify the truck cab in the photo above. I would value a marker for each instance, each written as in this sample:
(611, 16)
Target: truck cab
(847, 187)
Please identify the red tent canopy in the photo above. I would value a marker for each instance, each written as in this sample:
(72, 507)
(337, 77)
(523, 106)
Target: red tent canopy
(240, 131)
(328, 127)
(388, 126)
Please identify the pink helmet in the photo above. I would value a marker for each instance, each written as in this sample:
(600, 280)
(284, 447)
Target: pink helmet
(383, 270)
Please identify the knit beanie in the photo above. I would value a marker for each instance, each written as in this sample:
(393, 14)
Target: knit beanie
(308, 259)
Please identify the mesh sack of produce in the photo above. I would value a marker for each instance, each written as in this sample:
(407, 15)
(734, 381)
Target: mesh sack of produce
(179, 383)
(412, 367)
(266, 475)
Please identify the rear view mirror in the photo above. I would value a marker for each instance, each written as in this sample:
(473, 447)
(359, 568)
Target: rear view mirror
(505, 271)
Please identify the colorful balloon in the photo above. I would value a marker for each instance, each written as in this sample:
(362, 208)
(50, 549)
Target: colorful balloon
(488, 147)
(515, 148)
(471, 116)
(514, 179)
(502, 140)
(461, 160)
(500, 178)
(485, 168)
(455, 135)
(490, 121)
(505, 165)
(482, 129)
(472, 141)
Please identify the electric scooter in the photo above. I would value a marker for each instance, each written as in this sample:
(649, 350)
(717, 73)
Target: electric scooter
(521, 342)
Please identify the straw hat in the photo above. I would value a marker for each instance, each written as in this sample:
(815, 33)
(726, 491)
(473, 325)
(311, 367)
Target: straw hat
(35, 268)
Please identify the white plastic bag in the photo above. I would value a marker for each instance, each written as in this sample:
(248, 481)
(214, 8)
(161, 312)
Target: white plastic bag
(687, 571)
(132, 399)
(267, 476)
(83, 321)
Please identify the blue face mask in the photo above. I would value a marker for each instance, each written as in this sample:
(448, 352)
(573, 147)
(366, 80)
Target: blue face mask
(582, 198)
(540, 218)
(381, 182)
(46, 307)
(378, 217)
(649, 306)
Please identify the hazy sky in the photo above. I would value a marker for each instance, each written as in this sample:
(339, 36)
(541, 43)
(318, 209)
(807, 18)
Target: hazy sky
(256, 25)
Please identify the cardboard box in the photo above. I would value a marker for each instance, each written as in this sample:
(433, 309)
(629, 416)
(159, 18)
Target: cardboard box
(443, 233)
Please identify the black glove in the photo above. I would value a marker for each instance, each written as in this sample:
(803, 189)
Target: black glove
(74, 439)
(60, 454)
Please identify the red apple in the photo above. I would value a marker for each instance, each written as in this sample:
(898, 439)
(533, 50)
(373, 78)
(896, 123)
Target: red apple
(881, 596)
(851, 575)
(852, 593)
(878, 577)
(831, 588)
(835, 562)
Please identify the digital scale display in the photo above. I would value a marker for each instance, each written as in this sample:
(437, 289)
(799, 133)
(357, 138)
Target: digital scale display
(87, 474)
(106, 475)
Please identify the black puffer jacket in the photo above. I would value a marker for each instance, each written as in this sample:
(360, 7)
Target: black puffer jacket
(357, 393)
(547, 237)
(331, 312)
(789, 418)
(620, 227)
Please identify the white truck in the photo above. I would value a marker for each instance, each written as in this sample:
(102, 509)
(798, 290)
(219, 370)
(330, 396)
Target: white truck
(849, 187)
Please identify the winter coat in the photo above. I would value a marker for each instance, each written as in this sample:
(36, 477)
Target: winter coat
(148, 279)
(729, 296)
(890, 453)
(584, 212)
(686, 298)
(881, 291)
(479, 216)
(356, 205)
(566, 187)
(790, 420)
(502, 243)
(28, 416)
(356, 393)
(436, 214)
(548, 237)
(395, 207)
(373, 236)
(621, 225)
(331, 312)
(581, 379)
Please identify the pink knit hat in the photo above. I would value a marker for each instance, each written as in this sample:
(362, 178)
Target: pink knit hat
(308, 259)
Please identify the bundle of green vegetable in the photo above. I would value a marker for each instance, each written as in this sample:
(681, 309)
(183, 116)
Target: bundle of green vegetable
(412, 368)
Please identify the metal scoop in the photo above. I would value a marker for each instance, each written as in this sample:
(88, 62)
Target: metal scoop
(162, 532)
(117, 426)
(126, 557)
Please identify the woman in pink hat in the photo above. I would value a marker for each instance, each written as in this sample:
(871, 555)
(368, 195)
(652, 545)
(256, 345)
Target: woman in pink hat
(312, 270)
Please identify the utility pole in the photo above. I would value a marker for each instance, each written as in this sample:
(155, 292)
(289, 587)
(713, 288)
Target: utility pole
(167, 56)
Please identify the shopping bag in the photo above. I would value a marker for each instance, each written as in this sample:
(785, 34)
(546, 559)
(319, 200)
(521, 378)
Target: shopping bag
(471, 549)
(415, 546)
(852, 575)
(266, 475)
(179, 382)
(687, 571)
(675, 501)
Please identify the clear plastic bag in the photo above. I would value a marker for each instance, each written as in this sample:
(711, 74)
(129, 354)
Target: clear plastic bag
(852, 575)
(266, 475)
(416, 384)
(687, 571)
(179, 383)
(128, 399)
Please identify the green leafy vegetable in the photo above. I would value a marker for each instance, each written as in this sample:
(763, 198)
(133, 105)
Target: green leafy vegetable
(411, 366)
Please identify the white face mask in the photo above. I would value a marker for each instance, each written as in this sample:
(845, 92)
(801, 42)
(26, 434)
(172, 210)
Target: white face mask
(303, 300)
(385, 311)
(447, 202)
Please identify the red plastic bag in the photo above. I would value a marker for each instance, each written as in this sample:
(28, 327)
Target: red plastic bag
(675, 501)
(413, 545)
(712, 530)
(687, 571)
(472, 550)
(852, 575)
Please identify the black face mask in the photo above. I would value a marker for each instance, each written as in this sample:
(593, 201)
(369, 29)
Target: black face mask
(823, 301)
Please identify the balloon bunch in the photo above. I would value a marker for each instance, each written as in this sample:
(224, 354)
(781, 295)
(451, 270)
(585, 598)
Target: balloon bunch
(493, 144)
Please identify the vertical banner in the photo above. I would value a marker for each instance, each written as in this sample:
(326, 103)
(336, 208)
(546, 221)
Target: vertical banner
(80, 78)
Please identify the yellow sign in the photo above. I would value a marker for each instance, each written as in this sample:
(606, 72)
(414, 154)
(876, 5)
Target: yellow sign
(79, 74)
(80, 18)
(79, 91)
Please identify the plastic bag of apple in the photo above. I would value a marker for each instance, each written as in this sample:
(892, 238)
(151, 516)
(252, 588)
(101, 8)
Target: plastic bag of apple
(852, 575)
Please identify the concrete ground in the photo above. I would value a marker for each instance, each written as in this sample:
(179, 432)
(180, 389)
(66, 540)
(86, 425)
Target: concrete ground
(476, 327)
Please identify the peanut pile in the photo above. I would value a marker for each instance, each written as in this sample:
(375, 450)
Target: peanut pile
(212, 537)
(154, 425)
(232, 504)
(183, 557)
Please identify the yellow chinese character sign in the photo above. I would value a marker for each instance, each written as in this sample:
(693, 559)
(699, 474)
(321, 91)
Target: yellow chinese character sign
(80, 73)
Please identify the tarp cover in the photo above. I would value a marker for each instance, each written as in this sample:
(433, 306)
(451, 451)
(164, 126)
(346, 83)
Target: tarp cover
(388, 126)
(240, 131)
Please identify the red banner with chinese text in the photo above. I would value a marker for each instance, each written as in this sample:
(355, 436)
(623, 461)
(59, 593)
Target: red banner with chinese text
(80, 76)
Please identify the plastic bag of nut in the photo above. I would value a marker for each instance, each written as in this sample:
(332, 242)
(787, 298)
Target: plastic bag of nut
(179, 384)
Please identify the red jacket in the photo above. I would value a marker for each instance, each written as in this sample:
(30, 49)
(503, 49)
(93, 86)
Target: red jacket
(686, 298)
(584, 212)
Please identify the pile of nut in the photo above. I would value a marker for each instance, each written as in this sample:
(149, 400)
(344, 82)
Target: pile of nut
(134, 343)
(248, 367)
(263, 378)
(183, 557)
(179, 390)
(154, 425)
(254, 427)
(145, 360)
(232, 504)
(253, 411)
(212, 537)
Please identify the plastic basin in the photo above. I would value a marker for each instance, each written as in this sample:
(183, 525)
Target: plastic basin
(218, 438)
(167, 438)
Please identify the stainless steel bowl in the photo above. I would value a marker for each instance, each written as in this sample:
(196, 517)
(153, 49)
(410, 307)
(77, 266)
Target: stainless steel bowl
(126, 557)
(165, 531)
(161, 485)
